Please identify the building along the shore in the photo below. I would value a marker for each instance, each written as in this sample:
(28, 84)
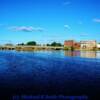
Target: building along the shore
(71, 44)
(98, 46)
(88, 45)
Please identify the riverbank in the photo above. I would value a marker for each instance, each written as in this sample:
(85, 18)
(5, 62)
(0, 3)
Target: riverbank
(35, 48)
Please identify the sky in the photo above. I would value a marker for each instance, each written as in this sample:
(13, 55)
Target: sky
(45, 21)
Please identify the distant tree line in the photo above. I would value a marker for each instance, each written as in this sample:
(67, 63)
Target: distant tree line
(54, 44)
(28, 43)
(35, 44)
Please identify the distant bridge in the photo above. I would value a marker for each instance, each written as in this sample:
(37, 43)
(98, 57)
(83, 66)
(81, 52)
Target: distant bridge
(7, 47)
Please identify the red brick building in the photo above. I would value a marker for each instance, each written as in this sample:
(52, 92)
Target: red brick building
(72, 43)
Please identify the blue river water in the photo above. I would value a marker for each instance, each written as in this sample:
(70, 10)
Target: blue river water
(50, 72)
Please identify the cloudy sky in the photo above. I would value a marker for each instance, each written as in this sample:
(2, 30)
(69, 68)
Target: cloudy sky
(45, 21)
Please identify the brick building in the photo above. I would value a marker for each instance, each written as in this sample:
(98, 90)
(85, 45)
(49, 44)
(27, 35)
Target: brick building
(72, 43)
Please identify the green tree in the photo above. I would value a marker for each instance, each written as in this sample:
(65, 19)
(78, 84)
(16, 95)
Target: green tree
(66, 48)
(48, 44)
(31, 43)
(21, 44)
(72, 48)
(56, 44)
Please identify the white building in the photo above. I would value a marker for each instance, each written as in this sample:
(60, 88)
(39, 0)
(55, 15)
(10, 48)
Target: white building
(88, 45)
(98, 45)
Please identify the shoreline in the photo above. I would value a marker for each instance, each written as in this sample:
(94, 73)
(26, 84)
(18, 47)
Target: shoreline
(44, 48)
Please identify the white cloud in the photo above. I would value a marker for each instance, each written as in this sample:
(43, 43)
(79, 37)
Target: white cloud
(67, 27)
(96, 20)
(26, 28)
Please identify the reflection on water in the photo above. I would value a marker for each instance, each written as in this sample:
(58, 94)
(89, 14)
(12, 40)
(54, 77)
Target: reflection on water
(98, 54)
(88, 54)
(72, 53)
(49, 72)
(85, 54)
